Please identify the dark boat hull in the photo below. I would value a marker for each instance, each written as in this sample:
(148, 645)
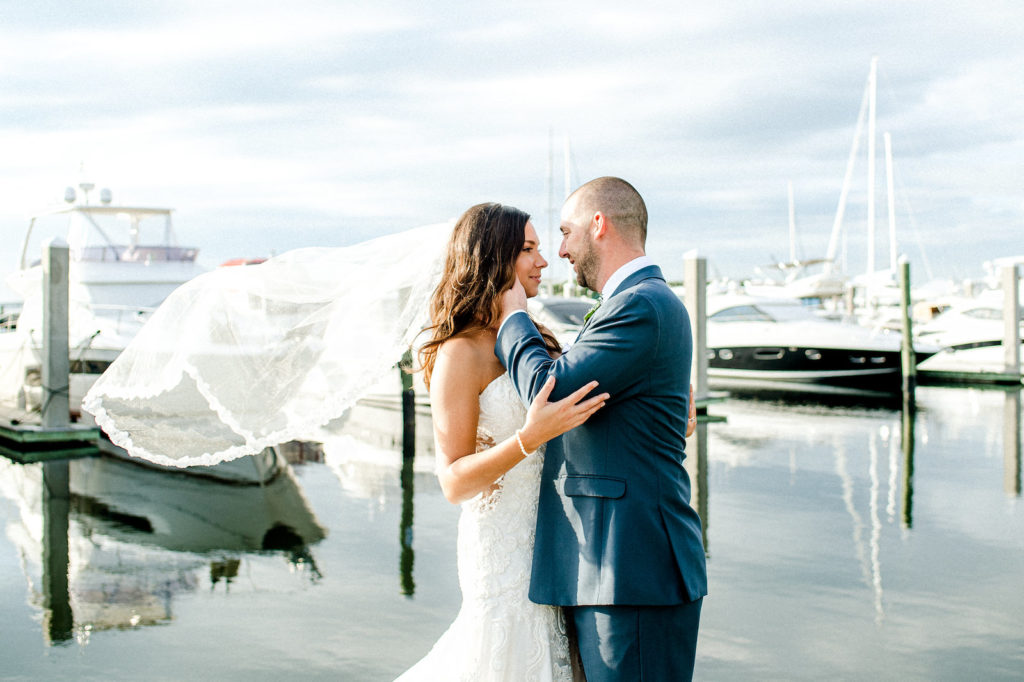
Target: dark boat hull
(859, 368)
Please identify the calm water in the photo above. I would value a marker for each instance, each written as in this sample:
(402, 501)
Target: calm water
(836, 550)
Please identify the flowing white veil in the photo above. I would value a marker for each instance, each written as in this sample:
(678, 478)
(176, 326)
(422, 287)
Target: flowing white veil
(242, 358)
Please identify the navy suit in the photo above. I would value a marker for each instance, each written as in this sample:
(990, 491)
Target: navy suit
(614, 525)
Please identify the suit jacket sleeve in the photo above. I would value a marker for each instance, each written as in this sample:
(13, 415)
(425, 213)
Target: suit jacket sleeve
(611, 350)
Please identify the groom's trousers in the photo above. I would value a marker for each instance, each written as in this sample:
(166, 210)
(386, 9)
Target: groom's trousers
(637, 643)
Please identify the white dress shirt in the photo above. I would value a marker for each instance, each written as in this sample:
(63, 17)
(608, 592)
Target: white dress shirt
(620, 275)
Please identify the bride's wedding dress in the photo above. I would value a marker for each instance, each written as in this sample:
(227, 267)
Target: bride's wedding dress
(499, 634)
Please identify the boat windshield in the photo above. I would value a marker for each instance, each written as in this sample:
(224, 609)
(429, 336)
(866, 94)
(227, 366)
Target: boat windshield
(764, 312)
(984, 313)
(105, 234)
(783, 312)
(741, 313)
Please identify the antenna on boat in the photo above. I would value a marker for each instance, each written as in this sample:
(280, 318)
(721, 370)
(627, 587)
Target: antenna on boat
(792, 226)
(86, 187)
(83, 184)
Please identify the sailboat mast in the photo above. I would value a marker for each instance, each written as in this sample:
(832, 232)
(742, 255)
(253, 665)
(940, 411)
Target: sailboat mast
(551, 189)
(792, 227)
(568, 165)
(872, 85)
(892, 204)
(837, 224)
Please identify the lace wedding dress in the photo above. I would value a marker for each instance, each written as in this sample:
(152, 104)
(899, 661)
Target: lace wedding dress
(499, 634)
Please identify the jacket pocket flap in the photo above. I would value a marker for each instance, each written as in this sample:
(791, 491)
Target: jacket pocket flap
(594, 486)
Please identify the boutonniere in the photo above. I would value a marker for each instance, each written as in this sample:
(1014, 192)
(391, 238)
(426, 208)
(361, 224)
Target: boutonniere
(593, 309)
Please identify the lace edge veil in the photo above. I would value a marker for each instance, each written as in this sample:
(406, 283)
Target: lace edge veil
(243, 358)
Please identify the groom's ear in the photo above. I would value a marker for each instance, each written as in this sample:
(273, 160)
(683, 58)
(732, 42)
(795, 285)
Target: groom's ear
(598, 225)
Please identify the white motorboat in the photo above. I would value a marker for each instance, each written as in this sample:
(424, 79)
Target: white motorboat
(969, 332)
(781, 341)
(124, 261)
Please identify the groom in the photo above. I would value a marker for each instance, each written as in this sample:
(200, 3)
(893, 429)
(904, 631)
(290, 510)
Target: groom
(617, 543)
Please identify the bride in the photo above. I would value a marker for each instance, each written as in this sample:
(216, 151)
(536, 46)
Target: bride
(489, 456)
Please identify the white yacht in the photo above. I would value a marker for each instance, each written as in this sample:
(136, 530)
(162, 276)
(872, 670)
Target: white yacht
(782, 341)
(124, 261)
(969, 332)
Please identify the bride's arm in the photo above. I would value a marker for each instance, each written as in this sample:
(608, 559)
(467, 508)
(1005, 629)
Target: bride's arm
(455, 384)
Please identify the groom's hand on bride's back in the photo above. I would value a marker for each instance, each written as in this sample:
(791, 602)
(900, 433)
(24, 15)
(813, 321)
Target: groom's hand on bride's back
(546, 420)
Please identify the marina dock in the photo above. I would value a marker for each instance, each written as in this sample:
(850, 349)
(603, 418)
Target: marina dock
(49, 434)
(24, 439)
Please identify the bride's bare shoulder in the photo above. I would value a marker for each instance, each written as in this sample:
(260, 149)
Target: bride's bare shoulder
(470, 357)
(465, 347)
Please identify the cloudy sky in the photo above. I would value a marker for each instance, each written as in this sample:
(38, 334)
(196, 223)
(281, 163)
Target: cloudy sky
(272, 125)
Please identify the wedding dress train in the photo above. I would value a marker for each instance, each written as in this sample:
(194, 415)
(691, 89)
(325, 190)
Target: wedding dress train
(499, 635)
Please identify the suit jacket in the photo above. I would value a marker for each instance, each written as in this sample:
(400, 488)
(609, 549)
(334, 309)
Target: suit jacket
(614, 522)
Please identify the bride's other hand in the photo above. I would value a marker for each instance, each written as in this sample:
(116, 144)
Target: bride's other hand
(691, 419)
(546, 420)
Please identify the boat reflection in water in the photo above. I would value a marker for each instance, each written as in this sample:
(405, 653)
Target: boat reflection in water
(129, 539)
(382, 450)
(873, 537)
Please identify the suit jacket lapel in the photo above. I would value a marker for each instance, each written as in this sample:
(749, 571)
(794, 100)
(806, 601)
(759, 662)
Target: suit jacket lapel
(650, 272)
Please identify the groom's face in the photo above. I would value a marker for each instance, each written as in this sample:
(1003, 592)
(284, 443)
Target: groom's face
(578, 244)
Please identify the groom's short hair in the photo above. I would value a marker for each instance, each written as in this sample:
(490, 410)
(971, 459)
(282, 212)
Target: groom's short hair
(620, 202)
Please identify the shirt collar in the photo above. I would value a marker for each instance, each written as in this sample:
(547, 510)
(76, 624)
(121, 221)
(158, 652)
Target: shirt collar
(620, 275)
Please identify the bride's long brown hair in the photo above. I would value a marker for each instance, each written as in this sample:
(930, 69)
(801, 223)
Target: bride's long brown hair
(478, 268)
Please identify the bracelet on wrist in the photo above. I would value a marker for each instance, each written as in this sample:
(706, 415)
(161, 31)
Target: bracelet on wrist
(522, 449)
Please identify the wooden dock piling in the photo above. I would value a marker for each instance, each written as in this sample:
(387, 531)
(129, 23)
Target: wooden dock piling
(56, 365)
(49, 435)
(907, 355)
(695, 282)
(1011, 318)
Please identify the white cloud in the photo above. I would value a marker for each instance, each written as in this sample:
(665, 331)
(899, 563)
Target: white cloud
(397, 113)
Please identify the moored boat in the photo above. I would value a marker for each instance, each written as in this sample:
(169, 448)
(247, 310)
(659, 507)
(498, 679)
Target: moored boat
(970, 333)
(781, 341)
(124, 261)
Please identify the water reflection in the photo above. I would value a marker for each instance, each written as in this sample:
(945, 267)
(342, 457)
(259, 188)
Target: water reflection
(110, 543)
(382, 451)
(856, 433)
(872, 448)
(1012, 443)
(696, 463)
(58, 620)
(908, 419)
(407, 556)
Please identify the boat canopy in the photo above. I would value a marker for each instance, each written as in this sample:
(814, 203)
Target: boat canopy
(111, 233)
